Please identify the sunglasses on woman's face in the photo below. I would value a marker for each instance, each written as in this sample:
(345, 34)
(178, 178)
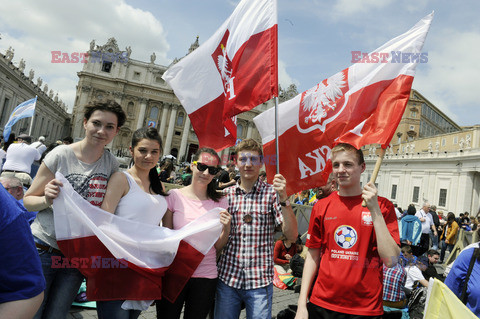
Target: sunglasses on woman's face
(212, 170)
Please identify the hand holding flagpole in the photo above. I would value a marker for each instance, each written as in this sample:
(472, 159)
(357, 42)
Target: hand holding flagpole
(375, 170)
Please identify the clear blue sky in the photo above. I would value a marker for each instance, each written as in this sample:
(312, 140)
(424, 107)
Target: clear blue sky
(315, 38)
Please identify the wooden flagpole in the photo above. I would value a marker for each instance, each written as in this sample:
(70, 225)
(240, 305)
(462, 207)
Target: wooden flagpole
(373, 178)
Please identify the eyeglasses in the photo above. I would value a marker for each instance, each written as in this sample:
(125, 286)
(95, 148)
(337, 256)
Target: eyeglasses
(212, 170)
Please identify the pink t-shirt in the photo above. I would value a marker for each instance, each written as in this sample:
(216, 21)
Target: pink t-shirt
(186, 210)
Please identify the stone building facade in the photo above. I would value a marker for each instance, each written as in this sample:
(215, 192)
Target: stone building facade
(51, 118)
(146, 98)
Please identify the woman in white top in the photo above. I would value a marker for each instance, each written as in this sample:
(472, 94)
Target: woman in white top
(136, 194)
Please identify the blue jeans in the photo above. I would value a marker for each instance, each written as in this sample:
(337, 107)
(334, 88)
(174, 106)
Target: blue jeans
(445, 247)
(434, 240)
(228, 302)
(62, 288)
(113, 309)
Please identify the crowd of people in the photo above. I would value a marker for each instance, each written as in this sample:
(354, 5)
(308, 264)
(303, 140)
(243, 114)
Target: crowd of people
(362, 254)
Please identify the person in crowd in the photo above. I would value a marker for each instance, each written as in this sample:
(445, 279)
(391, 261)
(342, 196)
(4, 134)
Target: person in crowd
(67, 140)
(394, 279)
(185, 205)
(3, 154)
(457, 277)
(431, 272)
(407, 256)
(49, 149)
(136, 194)
(263, 176)
(41, 147)
(19, 160)
(427, 226)
(14, 186)
(87, 166)
(329, 187)
(449, 235)
(224, 179)
(21, 279)
(246, 265)
(353, 243)
(167, 172)
(283, 252)
(187, 176)
(410, 228)
(414, 273)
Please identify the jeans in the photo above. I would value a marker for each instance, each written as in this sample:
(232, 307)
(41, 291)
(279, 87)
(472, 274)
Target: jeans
(61, 289)
(434, 240)
(197, 295)
(228, 302)
(444, 246)
(112, 309)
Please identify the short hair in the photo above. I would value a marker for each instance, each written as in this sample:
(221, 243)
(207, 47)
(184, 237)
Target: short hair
(345, 147)
(107, 106)
(12, 181)
(249, 145)
(411, 210)
(433, 207)
(432, 252)
(68, 139)
(406, 249)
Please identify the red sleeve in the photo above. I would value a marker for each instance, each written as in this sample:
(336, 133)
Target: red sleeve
(390, 217)
(279, 254)
(314, 227)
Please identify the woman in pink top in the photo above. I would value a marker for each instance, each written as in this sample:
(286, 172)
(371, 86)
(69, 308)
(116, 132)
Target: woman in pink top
(185, 205)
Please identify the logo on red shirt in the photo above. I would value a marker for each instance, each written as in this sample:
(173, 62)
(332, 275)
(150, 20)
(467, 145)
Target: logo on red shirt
(367, 219)
(345, 236)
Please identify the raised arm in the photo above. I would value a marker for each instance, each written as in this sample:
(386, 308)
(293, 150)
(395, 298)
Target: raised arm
(289, 226)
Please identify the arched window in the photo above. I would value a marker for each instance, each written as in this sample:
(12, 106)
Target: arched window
(239, 130)
(154, 113)
(180, 118)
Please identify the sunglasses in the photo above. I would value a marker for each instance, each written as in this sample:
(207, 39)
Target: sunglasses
(212, 170)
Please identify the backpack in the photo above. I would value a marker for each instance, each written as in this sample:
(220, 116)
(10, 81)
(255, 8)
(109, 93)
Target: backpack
(416, 303)
(296, 265)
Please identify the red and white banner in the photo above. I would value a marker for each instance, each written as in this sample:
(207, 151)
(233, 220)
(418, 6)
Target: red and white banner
(232, 72)
(360, 105)
(123, 259)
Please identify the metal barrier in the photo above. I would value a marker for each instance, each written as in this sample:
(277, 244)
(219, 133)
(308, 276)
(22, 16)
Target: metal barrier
(464, 239)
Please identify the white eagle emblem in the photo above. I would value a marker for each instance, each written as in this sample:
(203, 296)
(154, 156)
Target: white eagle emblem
(318, 105)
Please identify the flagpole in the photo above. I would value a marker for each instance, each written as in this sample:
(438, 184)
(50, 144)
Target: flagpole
(33, 116)
(277, 153)
(376, 170)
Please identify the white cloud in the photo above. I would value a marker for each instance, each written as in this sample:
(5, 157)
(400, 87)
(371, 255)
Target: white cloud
(284, 79)
(54, 25)
(347, 8)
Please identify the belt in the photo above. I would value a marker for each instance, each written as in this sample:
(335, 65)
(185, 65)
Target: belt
(48, 248)
(8, 170)
(395, 304)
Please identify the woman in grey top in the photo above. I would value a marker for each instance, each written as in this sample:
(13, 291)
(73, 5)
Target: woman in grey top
(87, 166)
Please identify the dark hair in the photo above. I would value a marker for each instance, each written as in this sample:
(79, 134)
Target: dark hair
(107, 106)
(150, 133)
(212, 192)
(10, 140)
(48, 150)
(344, 147)
(411, 210)
(450, 217)
(68, 139)
(432, 252)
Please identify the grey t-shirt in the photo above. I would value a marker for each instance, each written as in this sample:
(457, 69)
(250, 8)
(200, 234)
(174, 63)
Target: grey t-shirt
(89, 180)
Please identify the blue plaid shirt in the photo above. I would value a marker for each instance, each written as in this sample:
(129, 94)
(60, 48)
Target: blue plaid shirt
(393, 282)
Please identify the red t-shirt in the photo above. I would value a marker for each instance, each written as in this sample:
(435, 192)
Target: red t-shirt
(279, 252)
(350, 276)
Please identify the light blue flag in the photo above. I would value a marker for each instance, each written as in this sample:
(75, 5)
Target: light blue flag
(23, 110)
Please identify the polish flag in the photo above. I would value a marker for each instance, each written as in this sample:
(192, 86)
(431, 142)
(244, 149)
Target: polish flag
(232, 72)
(360, 105)
(127, 260)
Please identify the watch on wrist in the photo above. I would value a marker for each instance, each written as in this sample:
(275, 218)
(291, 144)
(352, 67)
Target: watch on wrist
(285, 203)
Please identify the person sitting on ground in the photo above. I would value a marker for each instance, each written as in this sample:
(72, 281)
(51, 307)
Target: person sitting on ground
(282, 253)
(14, 186)
(167, 173)
(414, 273)
(394, 279)
(431, 272)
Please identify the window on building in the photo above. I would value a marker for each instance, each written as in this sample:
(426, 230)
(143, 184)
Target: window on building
(178, 133)
(136, 75)
(239, 130)
(154, 113)
(444, 141)
(106, 66)
(180, 119)
(130, 108)
(412, 127)
(414, 113)
(4, 114)
(442, 199)
(394, 192)
(416, 193)
(455, 140)
(159, 80)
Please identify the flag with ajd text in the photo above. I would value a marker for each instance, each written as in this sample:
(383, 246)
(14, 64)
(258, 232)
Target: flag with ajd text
(232, 72)
(360, 105)
(23, 110)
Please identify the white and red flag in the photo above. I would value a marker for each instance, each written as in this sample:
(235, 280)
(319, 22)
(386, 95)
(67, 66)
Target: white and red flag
(124, 259)
(232, 72)
(360, 105)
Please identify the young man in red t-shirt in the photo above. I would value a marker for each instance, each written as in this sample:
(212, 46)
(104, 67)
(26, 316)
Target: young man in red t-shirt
(353, 243)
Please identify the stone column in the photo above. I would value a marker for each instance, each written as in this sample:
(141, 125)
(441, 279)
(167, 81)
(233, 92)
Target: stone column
(170, 130)
(183, 144)
(141, 115)
(249, 129)
(163, 122)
